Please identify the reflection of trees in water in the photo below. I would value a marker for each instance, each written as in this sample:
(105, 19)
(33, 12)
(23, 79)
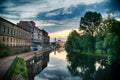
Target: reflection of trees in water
(84, 66)
(60, 49)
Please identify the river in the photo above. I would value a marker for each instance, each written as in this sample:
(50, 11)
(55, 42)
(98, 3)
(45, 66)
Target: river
(57, 68)
(76, 68)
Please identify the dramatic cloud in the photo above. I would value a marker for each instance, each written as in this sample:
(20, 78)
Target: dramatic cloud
(56, 15)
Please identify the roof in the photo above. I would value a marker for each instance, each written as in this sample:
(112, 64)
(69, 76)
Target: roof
(11, 23)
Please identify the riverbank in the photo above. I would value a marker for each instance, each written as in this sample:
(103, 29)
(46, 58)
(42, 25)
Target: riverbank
(18, 70)
(96, 55)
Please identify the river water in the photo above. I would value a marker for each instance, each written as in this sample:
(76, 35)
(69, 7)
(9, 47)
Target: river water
(57, 68)
(79, 67)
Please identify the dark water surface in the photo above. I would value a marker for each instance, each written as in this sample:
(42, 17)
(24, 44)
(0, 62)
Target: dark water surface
(79, 67)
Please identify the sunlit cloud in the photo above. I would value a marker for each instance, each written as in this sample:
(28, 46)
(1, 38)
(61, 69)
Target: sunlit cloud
(60, 34)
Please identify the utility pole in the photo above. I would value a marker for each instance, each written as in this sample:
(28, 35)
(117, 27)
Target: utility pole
(55, 47)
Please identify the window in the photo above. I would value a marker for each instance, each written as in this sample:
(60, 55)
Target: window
(14, 32)
(11, 44)
(3, 29)
(3, 39)
(18, 33)
(8, 31)
(11, 31)
(0, 28)
(11, 39)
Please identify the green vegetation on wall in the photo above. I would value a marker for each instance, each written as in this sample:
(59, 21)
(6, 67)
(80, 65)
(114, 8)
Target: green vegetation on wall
(18, 70)
(6, 50)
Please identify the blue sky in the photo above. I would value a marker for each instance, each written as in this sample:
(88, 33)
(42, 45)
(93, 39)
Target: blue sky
(57, 17)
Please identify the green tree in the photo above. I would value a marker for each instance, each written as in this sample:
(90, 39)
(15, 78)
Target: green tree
(90, 25)
(87, 43)
(112, 38)
(90, 22)
(72, 43)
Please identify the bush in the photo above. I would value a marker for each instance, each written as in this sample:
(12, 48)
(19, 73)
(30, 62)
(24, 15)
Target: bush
(5, 50)
(98, 51)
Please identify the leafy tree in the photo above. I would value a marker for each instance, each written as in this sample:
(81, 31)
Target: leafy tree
(87, 43)
(111, 42)
(72, 43)
(90, 22)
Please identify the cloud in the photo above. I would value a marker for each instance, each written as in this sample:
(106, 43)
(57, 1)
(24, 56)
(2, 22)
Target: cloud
(60, 34)
(55, 15)
(30, 8)
(52, 14)
(55, 26)
(74, 11)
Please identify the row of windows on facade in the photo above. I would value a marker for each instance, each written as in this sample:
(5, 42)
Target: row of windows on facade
(14, 42)
(17, 45)
(14, 32)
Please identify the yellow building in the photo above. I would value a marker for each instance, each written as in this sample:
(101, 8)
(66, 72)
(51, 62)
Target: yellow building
(14, 35)
(60, 43)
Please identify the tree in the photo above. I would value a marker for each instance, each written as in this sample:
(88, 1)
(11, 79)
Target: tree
(87, 43)
(90, 22)
(72, 43)
(112, 38)
(90, 25)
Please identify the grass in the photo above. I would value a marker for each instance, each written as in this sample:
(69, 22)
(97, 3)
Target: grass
(97, 53)
(18, 68)
(7, 51)
(101, 55)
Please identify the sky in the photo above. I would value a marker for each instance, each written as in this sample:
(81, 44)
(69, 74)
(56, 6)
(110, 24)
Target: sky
(57, 17)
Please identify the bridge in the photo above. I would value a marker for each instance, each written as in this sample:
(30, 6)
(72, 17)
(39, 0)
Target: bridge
(36, 61)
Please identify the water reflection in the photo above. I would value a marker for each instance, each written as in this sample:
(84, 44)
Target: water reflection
(93, 68)
(59, 50)
(57, 68)
(78, 67)
(89, 68)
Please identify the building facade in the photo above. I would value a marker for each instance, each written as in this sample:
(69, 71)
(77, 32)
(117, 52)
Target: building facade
(60, 43)
(46, 39)
(39, 38)
(13, 35)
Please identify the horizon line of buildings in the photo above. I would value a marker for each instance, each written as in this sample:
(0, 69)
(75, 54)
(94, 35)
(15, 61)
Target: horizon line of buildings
(23, 35)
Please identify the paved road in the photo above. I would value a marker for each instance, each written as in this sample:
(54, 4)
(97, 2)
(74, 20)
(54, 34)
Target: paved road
(6, 62)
